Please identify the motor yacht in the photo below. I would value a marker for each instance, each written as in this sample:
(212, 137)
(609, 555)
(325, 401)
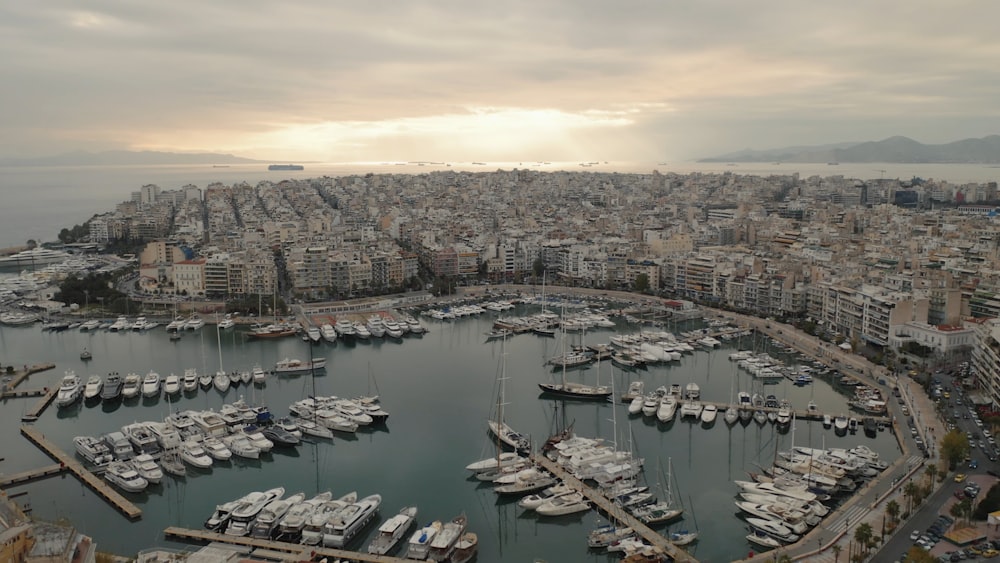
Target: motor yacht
(708, 413)
(419, 543)
(221, 381)
(227, 322)
(195, 455)
(93, 388)
(194, 323)
(70, 390)
(122, 475)
(243, 514)
(392, 530)
(258, 375)
(240, 446)
(141, 437)
(151, 385)
(292, 366)
(345, 328)
(112, 389)
(291, 524)
(328, 333)
(119, 445)
(172, 385)
(444, 542)
(266, 523)
(190, 380)
(93, 450)
(312, 532)
(147, 468)
(348, 522)
(569, 503)
(216, 449)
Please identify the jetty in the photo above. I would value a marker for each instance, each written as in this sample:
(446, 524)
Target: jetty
(302, 552)
(33, 413)
(30, 475)
(603, 503)
(22, 374)
(96, 484)
(15, 394)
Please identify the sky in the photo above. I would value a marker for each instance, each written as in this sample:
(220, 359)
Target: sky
(555, 80)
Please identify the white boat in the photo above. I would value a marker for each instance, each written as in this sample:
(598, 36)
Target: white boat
(190, 380)
(708, 413)
(840, 422)
(132, 386)
(176, 324)
(95, 384)
(291, 366)
(240, 446)
(420, 542)
(667, 409)
(345, 328)
(227, 322)
(444, 542)
(503, 459)
(313, 334)
(312, 532)
(761, 539)
(194, 323)
(569, 503)
(392, 530)
(827, 421)
(172, 384)
(361, 331)
(682, 537)
(258, 375)
(328, 332)
(291, 524)
(533, 501)
(266, 522)
(774, 528)
(243, 515)
(93, 450)
(205, 380)
(147, 468)
(691, 408)
(349, 521)
(731, 415)
(69, 390)
(221, 381)
(151, 385)
(122, 475)
(311, 428)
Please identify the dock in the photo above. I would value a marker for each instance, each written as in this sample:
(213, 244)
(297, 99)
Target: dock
(30, 475)
(96, 484)
(33, 413)
(306, 552)
(604, 504)
(23, 393)
(22, 374)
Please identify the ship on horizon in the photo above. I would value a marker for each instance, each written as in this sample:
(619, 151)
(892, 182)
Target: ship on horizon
(286, 167)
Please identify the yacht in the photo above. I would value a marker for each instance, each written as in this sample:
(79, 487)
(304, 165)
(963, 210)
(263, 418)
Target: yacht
(564, 504)
(205, 380)
(195, 455)
(147, 468)
(345, 328)
(190, 381)
(692, 391)
(125, 477)
(240, 445)
(172, 384)
(313, 334)
(444, 542)
(500, 461)
(267, 521)
(151, 385)
(392, 530)
(142, 324)
(221, 381)
(667, 409)
(533, 501)
(119, 445)
(93, 450)
(176, 324)
(216, 449)
(258, 375)
(420, 542)
(219, 519)
(194, 323)
(691, 408)
(392, 328)
(298, 367)
(328, 333)
(762, 539)
(345, 525)
(312, 532)
(227, 322)
(708, 413)
(69, 390)
(827, 421)
(840, 423)
(375, 326)
(243, 515)
(142, 438)
(95, 384)
(291, 524)
(361, 331)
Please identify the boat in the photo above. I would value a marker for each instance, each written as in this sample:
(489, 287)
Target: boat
(112, 387)
(151, 384)
(419, 543)
(312, 333)
(131, 386)
(31, 258)
(258, 375)
(298, 367)
(192, 453)
(840, 423)
(172, 384)
(759, 416)
(86, 355)
(271, 331)
(240, 445)
(827, 421)
(291, 524)
(762, 539)
(604, 536)
(243, 514)
(205, 380)
(227, 322)
(147, 468)
(312, 531)
(682, 537)
(569, 503)
(221, 381)
(465, 548)
(285, 167)
(708, 413)
(93, 450)
(392, 530)
(171, 463)
(266, 522)
(444, 541)
(190, 381)
(69, 390)
(122, 475)
(345, 328)
(501, 460)
(279, 436)
(194, 322)
(329, 334)
(346, 523)
(774, 528)
(93, 388)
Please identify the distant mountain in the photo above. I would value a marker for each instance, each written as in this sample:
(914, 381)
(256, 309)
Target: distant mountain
(83, 158)
(894, 149)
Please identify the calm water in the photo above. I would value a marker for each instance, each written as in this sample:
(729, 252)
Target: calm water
(39, 201)
(439, 389)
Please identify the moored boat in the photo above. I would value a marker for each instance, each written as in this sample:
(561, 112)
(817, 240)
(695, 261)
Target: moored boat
(392, 530)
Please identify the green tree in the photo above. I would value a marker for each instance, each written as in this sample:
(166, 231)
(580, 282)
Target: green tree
(836, 552)
(863, 534)
(990, 503)
(930, 472)
(910, 491)
(892, 510)
(642, 283)
(954, 447)
(918, 554)
(538, 267)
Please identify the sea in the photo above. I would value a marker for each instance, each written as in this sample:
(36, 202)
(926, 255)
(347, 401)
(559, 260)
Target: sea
(440, 391)
(39, 201)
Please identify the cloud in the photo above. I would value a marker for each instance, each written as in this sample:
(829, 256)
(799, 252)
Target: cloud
(582, 80)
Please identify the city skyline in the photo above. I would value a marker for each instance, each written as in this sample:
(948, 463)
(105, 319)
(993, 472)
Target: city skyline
(451, 81)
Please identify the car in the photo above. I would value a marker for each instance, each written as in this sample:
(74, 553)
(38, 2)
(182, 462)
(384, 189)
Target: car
(989, 552)
(960, 478)
(914, 535)
(959, 494)
(973, 464)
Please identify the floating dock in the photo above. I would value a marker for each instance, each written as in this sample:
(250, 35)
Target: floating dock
(40, 406)
(603, 503)
(23, 393)
(30, 475)
(96, 484)
(22, 374)
(307, 552)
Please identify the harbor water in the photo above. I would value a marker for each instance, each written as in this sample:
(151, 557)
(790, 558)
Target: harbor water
(440, 389)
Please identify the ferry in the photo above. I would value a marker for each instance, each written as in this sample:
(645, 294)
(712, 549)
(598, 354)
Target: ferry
(274, 167)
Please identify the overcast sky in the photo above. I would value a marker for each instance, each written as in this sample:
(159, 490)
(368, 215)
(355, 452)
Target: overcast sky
(512, 80)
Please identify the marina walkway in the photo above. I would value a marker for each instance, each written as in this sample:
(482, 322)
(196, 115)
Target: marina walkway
(30, 475)
(33, 413)
(305, 551)
(96, 484)
(602, 502)
(22, 374)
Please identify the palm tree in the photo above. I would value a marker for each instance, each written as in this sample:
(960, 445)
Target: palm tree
(863, 534)
(836, 552)
(892, 509)
(930, 472)
(910, 491)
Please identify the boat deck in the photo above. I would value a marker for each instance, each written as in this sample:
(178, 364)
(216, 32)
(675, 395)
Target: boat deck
(98, 485)
(648, 534)
(305, 552)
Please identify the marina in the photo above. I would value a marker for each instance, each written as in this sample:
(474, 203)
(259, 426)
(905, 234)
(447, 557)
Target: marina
(452, 356)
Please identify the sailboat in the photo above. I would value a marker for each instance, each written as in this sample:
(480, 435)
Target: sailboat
(502, 459)
(663, 511)
(574, 389)
(732, 412)
(499, 427)
(221, 378)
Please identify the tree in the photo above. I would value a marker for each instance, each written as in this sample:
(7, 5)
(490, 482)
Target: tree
(990, 503)
(910, 491)
(538, 267)
(954, 447)
(863, 535)
(930, 472)
(892, 510)
(642, 283)
(836, 552)
(960, 509)
(918, 554)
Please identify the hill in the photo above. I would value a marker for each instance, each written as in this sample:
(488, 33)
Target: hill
(894, 149)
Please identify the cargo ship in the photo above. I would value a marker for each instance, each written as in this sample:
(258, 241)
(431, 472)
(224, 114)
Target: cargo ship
(286, 167)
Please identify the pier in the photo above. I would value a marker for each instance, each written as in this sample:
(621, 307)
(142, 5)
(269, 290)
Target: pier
(604, 504)
(23, 393)
(306, 552)
(45, 401)
(96, 484)
(30, 475)
(22, 374)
